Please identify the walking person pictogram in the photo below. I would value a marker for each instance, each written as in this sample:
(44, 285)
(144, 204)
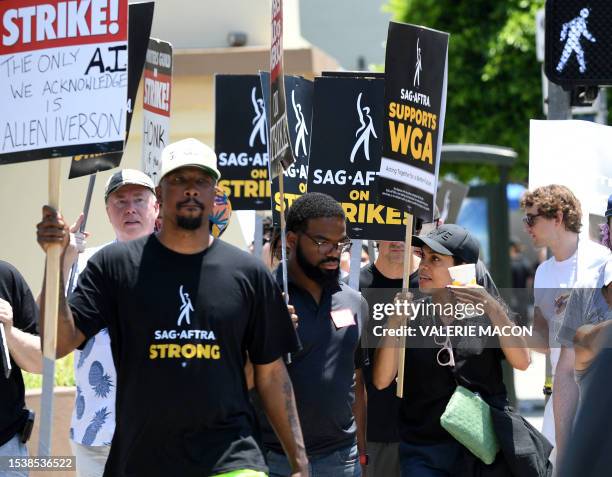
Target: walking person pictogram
(186, 307)
(259, 121)
(300, 127)
(571, 33)
(418, 67)
(365, 130)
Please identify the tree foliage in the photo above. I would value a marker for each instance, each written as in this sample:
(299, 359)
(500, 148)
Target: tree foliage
(494, 79)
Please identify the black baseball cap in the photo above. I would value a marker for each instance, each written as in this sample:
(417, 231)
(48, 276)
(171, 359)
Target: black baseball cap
(450, 239)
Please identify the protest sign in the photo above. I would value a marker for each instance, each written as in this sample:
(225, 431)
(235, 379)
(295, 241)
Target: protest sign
(156, 105)
(299, 92)
(557, 149)
(63, 78)
(449, 198)
(415, 100)
(241, 141)
(281, 156)
(140, 20)
(345, 154)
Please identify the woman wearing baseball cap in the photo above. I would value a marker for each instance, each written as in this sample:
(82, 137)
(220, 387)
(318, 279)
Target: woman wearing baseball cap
(439, 365)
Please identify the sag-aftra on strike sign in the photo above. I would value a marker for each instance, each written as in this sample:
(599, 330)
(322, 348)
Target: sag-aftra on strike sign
(63, 77)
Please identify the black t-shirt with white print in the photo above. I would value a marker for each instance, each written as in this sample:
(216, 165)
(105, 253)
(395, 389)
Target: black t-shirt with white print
(180, 328)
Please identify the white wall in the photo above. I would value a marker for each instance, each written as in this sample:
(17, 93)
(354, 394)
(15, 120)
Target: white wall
(206, 23)
(346, 29)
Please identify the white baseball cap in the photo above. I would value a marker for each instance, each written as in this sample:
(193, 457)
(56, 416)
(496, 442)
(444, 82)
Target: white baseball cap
(189, 153)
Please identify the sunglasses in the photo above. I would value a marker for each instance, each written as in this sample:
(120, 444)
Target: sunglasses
(530, 219)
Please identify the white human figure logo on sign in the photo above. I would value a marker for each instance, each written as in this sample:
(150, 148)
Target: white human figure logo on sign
(366, 130)
(571, 33)
(186, 307)
(300, 127)
(259, 121)
(418, 67)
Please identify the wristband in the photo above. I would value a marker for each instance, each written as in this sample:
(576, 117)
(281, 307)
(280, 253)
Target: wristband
(364, 459)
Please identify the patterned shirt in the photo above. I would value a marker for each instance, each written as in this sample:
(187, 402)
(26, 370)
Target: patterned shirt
(93, 417)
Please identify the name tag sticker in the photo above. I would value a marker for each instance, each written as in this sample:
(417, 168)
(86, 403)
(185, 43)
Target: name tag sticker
(343, 318)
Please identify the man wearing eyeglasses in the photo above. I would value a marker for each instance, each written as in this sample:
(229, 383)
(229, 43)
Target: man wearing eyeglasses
(553, 219)
(326, 374)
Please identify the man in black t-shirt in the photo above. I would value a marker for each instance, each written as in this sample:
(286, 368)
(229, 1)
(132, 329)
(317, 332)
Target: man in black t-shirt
(19, 318)
(384, 276)
(183, 310)
(326, 373)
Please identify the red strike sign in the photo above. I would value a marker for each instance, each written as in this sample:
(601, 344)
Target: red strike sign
(156, 93)
(27, 25)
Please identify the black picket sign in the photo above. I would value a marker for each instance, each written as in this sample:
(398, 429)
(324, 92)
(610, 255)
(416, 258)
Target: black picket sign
(346, 152)
(415, 103)
(241, 141)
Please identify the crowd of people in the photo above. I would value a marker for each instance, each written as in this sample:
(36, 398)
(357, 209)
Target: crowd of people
(190, 361)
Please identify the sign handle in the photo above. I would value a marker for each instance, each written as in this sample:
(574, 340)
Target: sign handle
(401, 350)
(258, 239)
(90, 188)
(355, 269)
(6, 359)
(283, 230)
(52, 287)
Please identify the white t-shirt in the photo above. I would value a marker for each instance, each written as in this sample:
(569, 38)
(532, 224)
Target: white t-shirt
(93, 416)
(552, 286)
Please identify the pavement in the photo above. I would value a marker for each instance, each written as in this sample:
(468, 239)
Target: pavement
(528, 385)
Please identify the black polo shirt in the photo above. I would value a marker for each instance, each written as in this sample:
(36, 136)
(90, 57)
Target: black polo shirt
(323, 372)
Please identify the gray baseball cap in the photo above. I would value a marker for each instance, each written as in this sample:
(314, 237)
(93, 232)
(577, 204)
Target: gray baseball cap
(127, 177)
(450, 239)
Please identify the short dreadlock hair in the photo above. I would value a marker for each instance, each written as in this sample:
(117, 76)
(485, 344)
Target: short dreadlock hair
(313, 205)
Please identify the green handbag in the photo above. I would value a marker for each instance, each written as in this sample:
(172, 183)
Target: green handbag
(468, 419)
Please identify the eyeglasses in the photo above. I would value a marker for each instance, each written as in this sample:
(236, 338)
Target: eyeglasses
(445, 355)
(530, 219)
(326, 247)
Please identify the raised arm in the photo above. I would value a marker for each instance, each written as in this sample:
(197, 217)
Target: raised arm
(386, 357)
(514, 347)
(23, 347)
(53, 230)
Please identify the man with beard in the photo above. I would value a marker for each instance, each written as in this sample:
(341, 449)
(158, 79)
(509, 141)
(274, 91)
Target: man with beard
(182, 310)
(326, 373)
